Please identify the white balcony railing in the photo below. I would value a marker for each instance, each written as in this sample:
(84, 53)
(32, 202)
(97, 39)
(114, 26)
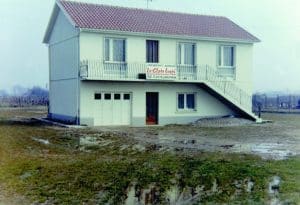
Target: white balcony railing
(98, 70)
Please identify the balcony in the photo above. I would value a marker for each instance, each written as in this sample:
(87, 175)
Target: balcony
(98, 70)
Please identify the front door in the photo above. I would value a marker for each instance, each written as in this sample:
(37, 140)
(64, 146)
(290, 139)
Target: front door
(151, 108)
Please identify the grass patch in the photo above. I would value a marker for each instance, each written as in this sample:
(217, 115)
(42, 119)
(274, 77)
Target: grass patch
(62, 171)
(81, 179)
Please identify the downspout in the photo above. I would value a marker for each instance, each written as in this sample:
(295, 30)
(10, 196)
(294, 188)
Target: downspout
(78, 79)
(49, 81)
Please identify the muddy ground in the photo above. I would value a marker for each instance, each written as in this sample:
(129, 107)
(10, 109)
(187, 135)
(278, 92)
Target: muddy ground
(277, 139)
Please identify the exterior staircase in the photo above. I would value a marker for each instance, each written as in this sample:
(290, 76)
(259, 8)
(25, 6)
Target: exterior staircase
(226, 91)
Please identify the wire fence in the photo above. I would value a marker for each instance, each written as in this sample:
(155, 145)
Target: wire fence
(276, 103)
(23, 101)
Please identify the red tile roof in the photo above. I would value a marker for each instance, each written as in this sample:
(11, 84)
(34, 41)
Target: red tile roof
(103, 17)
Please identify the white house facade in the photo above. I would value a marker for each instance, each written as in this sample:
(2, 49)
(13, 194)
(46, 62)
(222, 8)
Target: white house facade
(120, 66)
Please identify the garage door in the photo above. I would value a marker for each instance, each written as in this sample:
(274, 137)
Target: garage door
(112, 108)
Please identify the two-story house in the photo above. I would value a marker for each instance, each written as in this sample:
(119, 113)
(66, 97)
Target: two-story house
(125, 66)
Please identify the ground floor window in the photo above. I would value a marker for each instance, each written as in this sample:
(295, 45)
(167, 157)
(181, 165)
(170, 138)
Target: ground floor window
(186, 101)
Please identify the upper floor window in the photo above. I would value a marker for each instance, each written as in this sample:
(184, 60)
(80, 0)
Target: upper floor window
(114, 50)
(226, 56)
(152, 49)
(186, 54)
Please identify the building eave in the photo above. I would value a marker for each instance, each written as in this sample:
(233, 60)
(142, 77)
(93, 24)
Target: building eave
(51, 23)
(202, 38)
(66, 13)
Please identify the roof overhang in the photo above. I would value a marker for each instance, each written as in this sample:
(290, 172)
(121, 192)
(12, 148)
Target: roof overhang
(202, 38)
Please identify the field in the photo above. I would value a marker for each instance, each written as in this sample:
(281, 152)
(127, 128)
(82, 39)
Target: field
(176, 164)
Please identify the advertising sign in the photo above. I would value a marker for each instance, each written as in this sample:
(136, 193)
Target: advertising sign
(160, 72)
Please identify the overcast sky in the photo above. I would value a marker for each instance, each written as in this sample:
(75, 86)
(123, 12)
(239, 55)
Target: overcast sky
(24, 59)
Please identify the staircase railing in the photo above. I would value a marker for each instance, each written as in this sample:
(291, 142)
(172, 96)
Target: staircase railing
(228, 88)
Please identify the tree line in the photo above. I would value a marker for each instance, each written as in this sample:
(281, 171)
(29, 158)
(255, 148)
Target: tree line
(267, 102)
(31, 97)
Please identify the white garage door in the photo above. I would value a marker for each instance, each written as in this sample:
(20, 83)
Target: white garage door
(112, 108)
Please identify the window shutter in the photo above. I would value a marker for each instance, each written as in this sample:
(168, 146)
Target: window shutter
(106, 55)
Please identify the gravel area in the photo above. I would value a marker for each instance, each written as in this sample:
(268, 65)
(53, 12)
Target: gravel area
(222, 122)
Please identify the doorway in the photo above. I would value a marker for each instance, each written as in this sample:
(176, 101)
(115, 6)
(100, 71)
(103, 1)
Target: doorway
(151, 108)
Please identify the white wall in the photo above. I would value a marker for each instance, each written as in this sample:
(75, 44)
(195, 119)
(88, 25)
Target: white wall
(62, 29)
(91, 47)
(244, 61)
(63, 68)
(206, 105)
(63, 59)
(63, 98)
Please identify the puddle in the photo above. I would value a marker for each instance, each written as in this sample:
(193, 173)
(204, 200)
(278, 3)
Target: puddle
(276, 151)
(273, 191)
(165, 139)
(139, 147)
(92, 140)
(272, 150)
(227, 146)
(186, 142)
(25, 175)
(274, 185)
(87, 140)
(46, 142)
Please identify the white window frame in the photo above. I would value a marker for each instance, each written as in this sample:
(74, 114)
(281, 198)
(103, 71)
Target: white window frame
(181, 60)
(158, 55)
(220, 58)
(185, 108)
(111, 54)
